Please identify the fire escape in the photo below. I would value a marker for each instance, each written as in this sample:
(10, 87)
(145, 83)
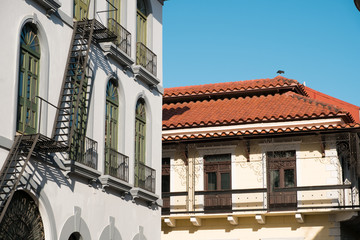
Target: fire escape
(69, 131)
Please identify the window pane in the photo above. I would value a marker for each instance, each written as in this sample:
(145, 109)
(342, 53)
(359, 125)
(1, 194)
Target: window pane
(165, 161)
(225, 181)
(165, 183)
(289, 177)
(211, 181)
(274, 179)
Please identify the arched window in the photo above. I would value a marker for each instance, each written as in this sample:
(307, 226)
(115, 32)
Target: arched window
(141, 18)
(81, 9)
(140, 140)
(28, 79)
(111, 127)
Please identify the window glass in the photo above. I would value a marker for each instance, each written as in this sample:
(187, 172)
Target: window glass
(289, 178)
(225, 181)
(212, 181)
(275, 179)
(165, 183)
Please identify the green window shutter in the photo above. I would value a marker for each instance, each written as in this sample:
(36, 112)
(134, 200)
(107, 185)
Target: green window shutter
(81, 9)
(141, 19)
(115, 10)
(140, 141)
(111, 126)
(28, 80)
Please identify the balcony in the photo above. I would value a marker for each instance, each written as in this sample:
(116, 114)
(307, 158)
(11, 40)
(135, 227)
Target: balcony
(86, 161)
(145, 68)
(144, 183)
(309, 198)
(116, 174)
(120, 49)
(123, 40)
(116, 164)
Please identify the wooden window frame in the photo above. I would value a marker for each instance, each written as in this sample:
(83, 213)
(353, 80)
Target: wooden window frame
(28, 80)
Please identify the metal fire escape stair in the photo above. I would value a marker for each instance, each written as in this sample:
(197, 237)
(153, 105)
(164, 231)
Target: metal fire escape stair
(23, 148)
(68, 121)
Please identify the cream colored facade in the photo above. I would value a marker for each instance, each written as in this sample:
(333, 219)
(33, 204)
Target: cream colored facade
(326, 189)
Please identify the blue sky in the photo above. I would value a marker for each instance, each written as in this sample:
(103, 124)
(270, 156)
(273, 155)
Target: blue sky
(313, 41)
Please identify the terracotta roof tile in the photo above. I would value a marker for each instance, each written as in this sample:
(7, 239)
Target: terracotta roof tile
(276, 107)
(264, 132)
(276, 82)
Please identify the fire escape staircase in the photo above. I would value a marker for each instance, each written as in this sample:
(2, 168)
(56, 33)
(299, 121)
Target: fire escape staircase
(70, 121)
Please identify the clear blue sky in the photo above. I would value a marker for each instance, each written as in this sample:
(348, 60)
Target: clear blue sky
(313, 41)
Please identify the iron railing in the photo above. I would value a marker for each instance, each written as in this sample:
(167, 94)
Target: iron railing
(123, 40)
(146, 58)
(145, 177)
(88, 153)
(116, 164)
(344, 200)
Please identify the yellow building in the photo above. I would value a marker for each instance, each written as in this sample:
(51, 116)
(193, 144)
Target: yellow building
(260, 159)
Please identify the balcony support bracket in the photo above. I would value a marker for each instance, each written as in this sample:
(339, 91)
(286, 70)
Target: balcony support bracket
(195, 221)
(260, 218)
(299, 218)
(170, 222)
(233, 220)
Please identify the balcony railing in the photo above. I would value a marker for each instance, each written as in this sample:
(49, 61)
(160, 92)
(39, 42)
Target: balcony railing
(116, 164)
(123, 40)
(89, 155)
(145, 177)
(312, 198)
(146, 58)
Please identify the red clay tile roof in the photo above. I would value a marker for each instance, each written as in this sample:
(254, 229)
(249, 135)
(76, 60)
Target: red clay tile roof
(263, 132)
(278, 107)
(240, 86)
(353, 109)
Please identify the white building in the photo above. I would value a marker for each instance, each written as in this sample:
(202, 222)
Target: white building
(80, 132)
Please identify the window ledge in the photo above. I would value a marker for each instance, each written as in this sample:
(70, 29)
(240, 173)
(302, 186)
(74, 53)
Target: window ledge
(144, 75)
(117, 54)
(115, 183)
(82, 170)
(144, 195)
(50, 6)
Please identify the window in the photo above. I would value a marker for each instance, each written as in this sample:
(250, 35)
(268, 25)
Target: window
(141, 18)
(114, 10)
(28, 79)
(140, 134)
(111, 128)
(165, 184)
(81, 9)
(217, 173)
(281, 175)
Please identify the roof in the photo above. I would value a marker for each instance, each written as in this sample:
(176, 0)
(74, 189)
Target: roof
(248, 102)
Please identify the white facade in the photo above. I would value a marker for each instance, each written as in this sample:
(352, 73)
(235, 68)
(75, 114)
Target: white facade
(77, 203)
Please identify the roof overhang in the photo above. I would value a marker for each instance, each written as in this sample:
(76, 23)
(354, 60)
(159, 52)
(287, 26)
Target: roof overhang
(357, 4)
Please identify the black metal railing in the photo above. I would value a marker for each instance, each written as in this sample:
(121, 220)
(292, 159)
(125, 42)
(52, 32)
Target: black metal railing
(123, 40)
(145, 177)
(116, 164)
(345, 200)
(146, 58)
(88, 153)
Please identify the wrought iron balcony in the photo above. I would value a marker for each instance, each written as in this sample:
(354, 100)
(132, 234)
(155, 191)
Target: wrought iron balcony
(146, 58)
(123, 40)
(312, 197)
(145, 177)
(116, 164)
(89, 155)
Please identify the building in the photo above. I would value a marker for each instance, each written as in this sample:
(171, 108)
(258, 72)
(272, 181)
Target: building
(80, 133)
(259, 159)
